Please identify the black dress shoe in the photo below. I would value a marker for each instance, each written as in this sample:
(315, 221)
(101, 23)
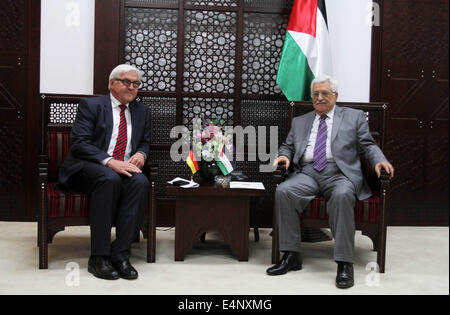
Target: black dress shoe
(125, 269)
(290, 261)
(101, 267)
(344, 278)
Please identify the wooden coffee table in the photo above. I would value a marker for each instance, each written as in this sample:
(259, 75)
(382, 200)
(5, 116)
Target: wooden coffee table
(208, 208)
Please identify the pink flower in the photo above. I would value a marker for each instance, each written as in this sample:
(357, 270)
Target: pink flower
(212, 129)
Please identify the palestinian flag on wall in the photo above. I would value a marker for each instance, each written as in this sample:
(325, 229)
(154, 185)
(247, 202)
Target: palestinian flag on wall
(306, 52)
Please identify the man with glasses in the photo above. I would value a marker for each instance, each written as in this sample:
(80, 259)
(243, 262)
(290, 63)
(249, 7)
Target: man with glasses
(110, 144)
(324, 147)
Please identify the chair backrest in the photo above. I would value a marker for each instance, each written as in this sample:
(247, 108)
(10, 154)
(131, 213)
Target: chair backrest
(58, 114)
(377, 116)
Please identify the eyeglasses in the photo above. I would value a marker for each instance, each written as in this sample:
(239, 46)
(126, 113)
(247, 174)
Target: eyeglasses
(127, 83)
(323, 93)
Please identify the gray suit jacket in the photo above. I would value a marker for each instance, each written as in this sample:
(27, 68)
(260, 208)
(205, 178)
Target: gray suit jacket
(350, 137)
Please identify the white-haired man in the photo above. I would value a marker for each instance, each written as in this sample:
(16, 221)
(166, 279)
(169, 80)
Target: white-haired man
(110, 143)
(324, 147)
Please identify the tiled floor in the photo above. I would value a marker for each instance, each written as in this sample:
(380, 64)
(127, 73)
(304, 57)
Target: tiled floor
(417, 262)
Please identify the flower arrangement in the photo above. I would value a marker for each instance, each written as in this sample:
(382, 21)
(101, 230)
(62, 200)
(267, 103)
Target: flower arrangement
(211, 142)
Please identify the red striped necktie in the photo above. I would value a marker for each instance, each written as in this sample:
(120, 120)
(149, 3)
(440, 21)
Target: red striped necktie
(121, 144)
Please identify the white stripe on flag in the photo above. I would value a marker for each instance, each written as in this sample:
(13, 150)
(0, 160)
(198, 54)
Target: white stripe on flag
(316, 49)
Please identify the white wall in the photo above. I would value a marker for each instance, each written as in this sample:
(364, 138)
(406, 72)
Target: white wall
(67, 46)
(351, 42)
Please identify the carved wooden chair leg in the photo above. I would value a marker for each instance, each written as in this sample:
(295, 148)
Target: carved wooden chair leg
(256, 232)
(203, 237)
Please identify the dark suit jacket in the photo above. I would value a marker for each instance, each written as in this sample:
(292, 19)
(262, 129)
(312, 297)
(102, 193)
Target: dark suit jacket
(350, 138)
(92, 130)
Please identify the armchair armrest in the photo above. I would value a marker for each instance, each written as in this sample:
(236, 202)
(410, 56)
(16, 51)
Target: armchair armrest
(42, 215)
(279, 175)
(43, 168)
(385, 181)
(153, 172)
(151, 222)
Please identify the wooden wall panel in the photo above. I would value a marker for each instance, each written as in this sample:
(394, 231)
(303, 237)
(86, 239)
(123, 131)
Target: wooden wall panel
(410, 71)
(19, 108)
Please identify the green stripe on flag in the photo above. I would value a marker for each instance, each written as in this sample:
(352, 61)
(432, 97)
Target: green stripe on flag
(294, 74)
(222, 168)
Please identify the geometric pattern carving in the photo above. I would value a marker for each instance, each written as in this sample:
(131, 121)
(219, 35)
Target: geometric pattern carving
(266, 113)
(209, 50)
(167, 169)
(262, 44)
(163, 111)
(151, 45)
(158, 2)
(163, 116)
(208, 109)
(12, 24)
(209, 66)
(217, 3)
(63, 113)
(280, 4)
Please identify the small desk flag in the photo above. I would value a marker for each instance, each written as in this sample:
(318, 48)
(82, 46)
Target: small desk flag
(192, 162)
(224, 163)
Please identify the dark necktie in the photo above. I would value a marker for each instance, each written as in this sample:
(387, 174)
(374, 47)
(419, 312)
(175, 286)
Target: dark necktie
(320, 149)
(121, 144)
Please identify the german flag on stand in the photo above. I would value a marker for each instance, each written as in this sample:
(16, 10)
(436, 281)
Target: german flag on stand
(192, 162)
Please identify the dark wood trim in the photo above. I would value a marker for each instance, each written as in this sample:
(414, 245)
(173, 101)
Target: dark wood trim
(207, 95)
(107, 42)
(134, 4)
(263, 97)
(421, 207)
(121, 46)
(157, 94)
(238, 65)
(267, 10)
(180, 65)
(210, 8)
(33, 107)
(375, 69)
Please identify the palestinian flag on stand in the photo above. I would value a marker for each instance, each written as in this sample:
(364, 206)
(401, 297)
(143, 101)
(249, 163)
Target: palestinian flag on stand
(192, 162)
(224, 163)
(306, 52)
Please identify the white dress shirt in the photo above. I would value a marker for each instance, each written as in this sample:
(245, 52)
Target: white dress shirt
(115, 131)
(308, 156)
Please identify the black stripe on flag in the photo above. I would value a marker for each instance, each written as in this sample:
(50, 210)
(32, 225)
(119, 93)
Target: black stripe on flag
(323, 9)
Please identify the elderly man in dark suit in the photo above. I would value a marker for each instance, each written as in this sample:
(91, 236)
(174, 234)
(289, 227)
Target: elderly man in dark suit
(324, 147)
(110, 144)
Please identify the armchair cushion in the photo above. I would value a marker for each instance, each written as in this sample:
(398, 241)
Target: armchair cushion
(365, 210)
(66, 205)
(58, 146)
